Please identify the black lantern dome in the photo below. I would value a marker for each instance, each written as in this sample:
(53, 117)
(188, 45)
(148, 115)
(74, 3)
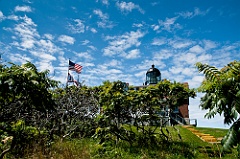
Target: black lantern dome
(153, 76)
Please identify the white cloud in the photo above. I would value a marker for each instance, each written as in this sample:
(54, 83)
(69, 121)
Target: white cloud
(45, 65)
(162, 54)
(196, 80)
(100, 14)
(158, 42)
(1, 16)
(93, 30)
(138, 25)
(155, 27)
(179, 43)
(19, 58)
(186, 14)
(92, 47)
(23, 9)
(13, 17)
(47, 46)
(114, 63)
(196, 12)
(118, 45)
(77, 26)
(43, 56)
(66, 39)
(85, 42)
(133, 54)
(175, 70)
(27, 33)
(104, 23)
(178, 70)
(204, 58)
(28, 43)
(85, 55)
(208, 44)
(196, 49)
(185, 59)
(49, 36)
(128, 7)
(105, 2)
(168, 25)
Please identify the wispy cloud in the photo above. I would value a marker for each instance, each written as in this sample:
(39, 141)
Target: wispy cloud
(66, 39)
(196, 49)
(114, 63)
(128, 7)
(19, 58)
(85, 42)
(180, 43)
(118, 45)
(93, 30)
(158, 41)
(105, 2)
(41, 49)
(104, 23)
(13, 17)
(195, 12)
(169, 24)
(208, 44)
(133, 54)
(23, 9)
(1, 16)
(77, 26)
(47, 46)
(27, 32)
(43, 55)
(86, 56)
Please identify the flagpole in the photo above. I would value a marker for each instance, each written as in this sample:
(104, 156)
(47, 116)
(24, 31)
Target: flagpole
(78, 79)
(67, 74)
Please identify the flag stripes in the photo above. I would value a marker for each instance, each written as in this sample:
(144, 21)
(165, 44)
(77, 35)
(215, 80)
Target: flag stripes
(74, 67)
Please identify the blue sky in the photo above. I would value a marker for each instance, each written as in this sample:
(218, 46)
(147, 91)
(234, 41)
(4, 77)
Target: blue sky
(120, 40)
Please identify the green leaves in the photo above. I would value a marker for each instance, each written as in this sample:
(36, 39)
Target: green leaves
(211, 73)
(232, 137)
(221, 88)
(140, 108)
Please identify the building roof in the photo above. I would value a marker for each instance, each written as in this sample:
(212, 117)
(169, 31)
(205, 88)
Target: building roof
(153, 69)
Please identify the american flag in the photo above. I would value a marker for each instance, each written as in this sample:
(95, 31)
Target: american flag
(74, 67)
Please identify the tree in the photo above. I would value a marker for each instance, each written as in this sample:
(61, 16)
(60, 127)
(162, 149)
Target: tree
(76, 109)
(222, 96)
(25, 100)
(124, 109)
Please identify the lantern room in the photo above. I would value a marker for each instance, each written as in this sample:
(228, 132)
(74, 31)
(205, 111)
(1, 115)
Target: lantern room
(153, 76)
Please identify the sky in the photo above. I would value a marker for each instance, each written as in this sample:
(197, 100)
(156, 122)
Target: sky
(120, 39)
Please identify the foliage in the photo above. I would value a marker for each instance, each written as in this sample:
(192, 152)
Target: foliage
(76, 109)
(25, 101)
(191, 147)
(222, 96)
(24, 92)
(34, 111)
(23, 138)
(122, 109)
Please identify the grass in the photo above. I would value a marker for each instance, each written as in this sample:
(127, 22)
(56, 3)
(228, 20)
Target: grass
(204, 149)
(188, 146)
(218, 133)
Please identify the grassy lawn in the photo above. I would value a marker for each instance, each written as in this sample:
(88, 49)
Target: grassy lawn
(187, 145)
(218, 133)
(204, 149)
